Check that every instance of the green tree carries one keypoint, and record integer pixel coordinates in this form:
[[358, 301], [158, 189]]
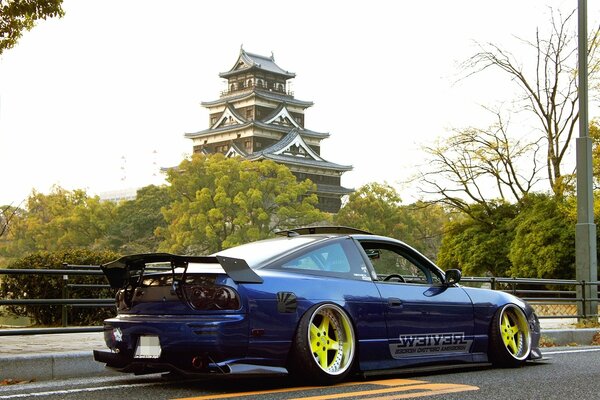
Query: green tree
[[374, 207], [544, 242], [377, 208], [50, 287], [7, 213], [61, 219], [423, 226], [17, 16], [220, 202], [479, 248], [135, 221]]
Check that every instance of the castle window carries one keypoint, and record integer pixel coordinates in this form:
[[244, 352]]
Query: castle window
[[249, 113], [248, 144]]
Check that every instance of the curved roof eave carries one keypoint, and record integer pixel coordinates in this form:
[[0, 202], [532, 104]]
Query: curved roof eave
[[227, 128], [303, 162], [261, 94], [283, 128]]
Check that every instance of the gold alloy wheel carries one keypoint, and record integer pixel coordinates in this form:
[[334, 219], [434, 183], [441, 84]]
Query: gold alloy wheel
[[331, 339], [514, 331]]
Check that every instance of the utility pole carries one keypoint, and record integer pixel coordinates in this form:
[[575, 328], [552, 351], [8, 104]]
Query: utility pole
[[585, 230]]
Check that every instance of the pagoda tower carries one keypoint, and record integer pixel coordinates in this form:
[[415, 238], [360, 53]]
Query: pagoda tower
[[257, 118]]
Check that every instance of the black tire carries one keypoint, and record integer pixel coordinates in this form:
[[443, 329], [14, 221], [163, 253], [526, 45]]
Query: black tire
[[510, 337], [324, 346]]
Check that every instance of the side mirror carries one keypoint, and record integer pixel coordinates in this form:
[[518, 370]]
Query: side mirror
[[452, 276]]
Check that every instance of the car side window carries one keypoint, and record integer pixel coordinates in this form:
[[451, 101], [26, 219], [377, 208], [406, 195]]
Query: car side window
[[340, 258], [389, 261], [326, 258]]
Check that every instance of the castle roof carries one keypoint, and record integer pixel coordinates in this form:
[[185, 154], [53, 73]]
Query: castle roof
[[259, 124], [248, 61], [293, 150], [261, 94]]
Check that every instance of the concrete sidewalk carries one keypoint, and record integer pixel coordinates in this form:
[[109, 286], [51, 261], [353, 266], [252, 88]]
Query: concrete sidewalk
[[54, 356]]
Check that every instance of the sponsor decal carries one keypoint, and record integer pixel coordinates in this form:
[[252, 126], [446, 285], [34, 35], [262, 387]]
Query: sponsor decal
[[430, 344]]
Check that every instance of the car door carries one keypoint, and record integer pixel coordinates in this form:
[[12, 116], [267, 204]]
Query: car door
[[426, 319]]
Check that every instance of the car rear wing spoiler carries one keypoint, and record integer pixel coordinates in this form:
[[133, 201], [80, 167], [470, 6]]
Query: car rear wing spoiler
[[312, 230], [118, 272]]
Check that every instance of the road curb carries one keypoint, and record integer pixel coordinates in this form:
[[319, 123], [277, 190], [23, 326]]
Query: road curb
[[563, 337], [51, 366]]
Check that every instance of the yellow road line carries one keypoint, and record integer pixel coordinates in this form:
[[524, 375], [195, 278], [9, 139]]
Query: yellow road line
[[387, 382], [426, 389], [451, 389]]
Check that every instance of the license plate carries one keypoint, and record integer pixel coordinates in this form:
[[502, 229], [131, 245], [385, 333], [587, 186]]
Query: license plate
[[148, 347]]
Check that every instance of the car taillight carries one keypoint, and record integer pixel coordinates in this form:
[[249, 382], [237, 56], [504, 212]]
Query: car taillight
[[212, 297]]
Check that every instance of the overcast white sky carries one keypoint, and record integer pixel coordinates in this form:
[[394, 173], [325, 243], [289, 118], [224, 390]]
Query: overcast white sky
[[108, 91]]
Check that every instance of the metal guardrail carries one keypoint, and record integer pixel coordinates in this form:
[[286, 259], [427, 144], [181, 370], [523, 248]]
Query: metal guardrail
[[570, 294], [65, 301]]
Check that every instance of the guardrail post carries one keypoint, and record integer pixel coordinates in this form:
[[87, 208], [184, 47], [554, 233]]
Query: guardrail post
[[65, 295], [583, 300], [493, 283]]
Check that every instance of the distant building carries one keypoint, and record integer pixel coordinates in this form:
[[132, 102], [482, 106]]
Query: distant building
[[118, 195], [257, 118]]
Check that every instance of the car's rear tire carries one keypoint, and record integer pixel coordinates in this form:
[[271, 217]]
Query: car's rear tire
[[324, 346], [510, 338]]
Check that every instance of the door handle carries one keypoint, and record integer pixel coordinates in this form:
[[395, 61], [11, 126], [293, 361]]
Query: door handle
[[394, 302]]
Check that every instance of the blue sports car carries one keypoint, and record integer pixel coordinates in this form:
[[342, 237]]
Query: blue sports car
[[318, 303]]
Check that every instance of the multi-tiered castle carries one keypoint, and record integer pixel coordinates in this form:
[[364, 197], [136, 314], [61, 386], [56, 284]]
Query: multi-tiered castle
[[257, 117]]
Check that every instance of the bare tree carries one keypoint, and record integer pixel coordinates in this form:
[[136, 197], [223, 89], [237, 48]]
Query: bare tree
[[549, 89], [475, 165]]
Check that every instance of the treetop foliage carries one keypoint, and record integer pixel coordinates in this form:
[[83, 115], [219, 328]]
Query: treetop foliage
[[377, 208], [219, 202], [17, 16]]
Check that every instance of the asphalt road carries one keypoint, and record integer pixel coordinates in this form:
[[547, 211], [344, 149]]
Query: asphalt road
[[571, 373]]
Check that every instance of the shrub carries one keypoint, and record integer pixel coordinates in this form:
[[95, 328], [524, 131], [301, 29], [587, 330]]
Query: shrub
[[51, 286]]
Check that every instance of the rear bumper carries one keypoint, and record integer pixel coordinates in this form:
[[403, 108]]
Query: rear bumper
[[124, 364], [187, 343]]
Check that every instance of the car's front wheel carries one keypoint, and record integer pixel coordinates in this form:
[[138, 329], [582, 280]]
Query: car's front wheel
[[510, 338], [324, 347]]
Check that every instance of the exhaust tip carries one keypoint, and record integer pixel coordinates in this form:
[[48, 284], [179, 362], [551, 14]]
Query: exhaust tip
[[198, 362]]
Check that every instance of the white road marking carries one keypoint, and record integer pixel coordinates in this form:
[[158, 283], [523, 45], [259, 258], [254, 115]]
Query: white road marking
[[569, 351], [81, 390]]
